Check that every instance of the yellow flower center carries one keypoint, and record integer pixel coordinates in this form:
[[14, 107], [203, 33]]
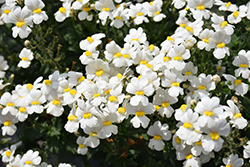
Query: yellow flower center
[[183, 25], [139, 113], [178, 58], [156, 13], [99, 73], [166, 58], [86, 9], [228, 166], [221, 45], [29, 86], [235, 13], [121, 110], [67, 89], [93, 134], [73, 92], [151, 3], [223, 24], [82, 78], [6, 11], [178, 140], [139, 14], [81, 145], [86, 115], [218, 68], [35, 102], [200, 7], [139, 93], [183, 107], [37, 11], [157, 137], [22, 109], [165, 104], [20, 23], [238, 115], [107, 92], [113, 99], [90, 40], [151, 47], [214, 135], [228, 4], [149, 65], [189, 29], [126, 56], [62, 10], [47, 82], [157, 107], [201, 87], [176, 84], [188, 125], [119, 75], [135, 39], [170, 39], [28, 162], [243, 65], [88, 54], [118, 17], [8, 153], [96, 95], [237, 82], [118, 54], [188, 73], [205, 40], [208, 113], [72, 118], [10, 104], [107, 123], [198, 143], [105, 9], [189, 156], [7, 123], [56, 102]]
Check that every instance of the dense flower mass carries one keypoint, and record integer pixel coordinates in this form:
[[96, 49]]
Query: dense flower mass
[[169, 91]]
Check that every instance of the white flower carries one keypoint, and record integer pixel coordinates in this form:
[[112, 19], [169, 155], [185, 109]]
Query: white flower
[[159, 132], [205, 36], [10, 101], [138, 13], [153, 10], [55, 107], [246, 151], [236, 16], [226, 6], [26, 56], [8, 155], [82, 145], [98, 69], [220, 24], [9, 122], [92, 41], [242, 61], [5, 10], [22, 19], [233, 161], [3, 66], [136, 37], [179, 3], [106, 7], [234, 83], [72, 124], [79, 4], [64, 165], [198, 8], [120, 15], [36, 99], [63, 12]]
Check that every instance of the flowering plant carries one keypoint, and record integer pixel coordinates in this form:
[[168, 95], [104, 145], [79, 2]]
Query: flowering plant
[[111, 82]]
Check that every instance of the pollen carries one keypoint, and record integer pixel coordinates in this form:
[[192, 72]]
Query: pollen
[[228, 4], [221, 45], [81, 145], [107, 123], [183, 25], [47, 82], [93, 134], [107, 92], [189, 156], [165, 104], [223, 24], [99, 73], [243, 65], [139, 93], [113, 99], [38, 10], [198, 143], [105, 9], [178, 58], [90, 40], [56, 102], [188, 125], [96, 95], [201, 87], [214, 136], [20, 23], [189, 29], [72, 118], [10, 104], [183, 107], [29, 86], [86, 9], [88, 54], [22, 109], [208, 113], [156, 13], [205, 40], [121, 110], [118, 17], [188, 73], [67, 89], [166, 59], [118, 54], [143, 62], [86, 115], [157, 137], [139, 113], [139, 14], [7, 123], [151, 47], [82, 78], [178, 140], [119, 75], [73, 92], [200, 7], [237, 82], [238, 115], [62, 10], [6, 11], [28, 162], [8, 153], [126, 56], [176, 84], [35, 102], [235, 13]]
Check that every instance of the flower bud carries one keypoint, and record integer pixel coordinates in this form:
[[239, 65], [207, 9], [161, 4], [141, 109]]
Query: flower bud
[[216, 78], [193, 102], [26, 43], [127, 97]]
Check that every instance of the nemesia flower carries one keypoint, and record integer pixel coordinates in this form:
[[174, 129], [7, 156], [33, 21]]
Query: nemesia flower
[[30, 159], [26, 55], [82, 145], [226, 6], [120, 15], [190, 159], [219, 23], [236, 16], [22, 19], [178, 4], [242, 61], [85, 14], [9, 122], [198, 8], [64, 165], [159, 132], [6, 9], [3, 66], [246, 151], [153, 10], [233, 161], [189, 71], [93, 132], [36, 99], [55, 107], [63, 12], [92, 41], [72, 124], [234, 83], [97, 69], [135, 37], [10, 102], [8, 155], [106, 7], [138, 13], [79, 4]]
